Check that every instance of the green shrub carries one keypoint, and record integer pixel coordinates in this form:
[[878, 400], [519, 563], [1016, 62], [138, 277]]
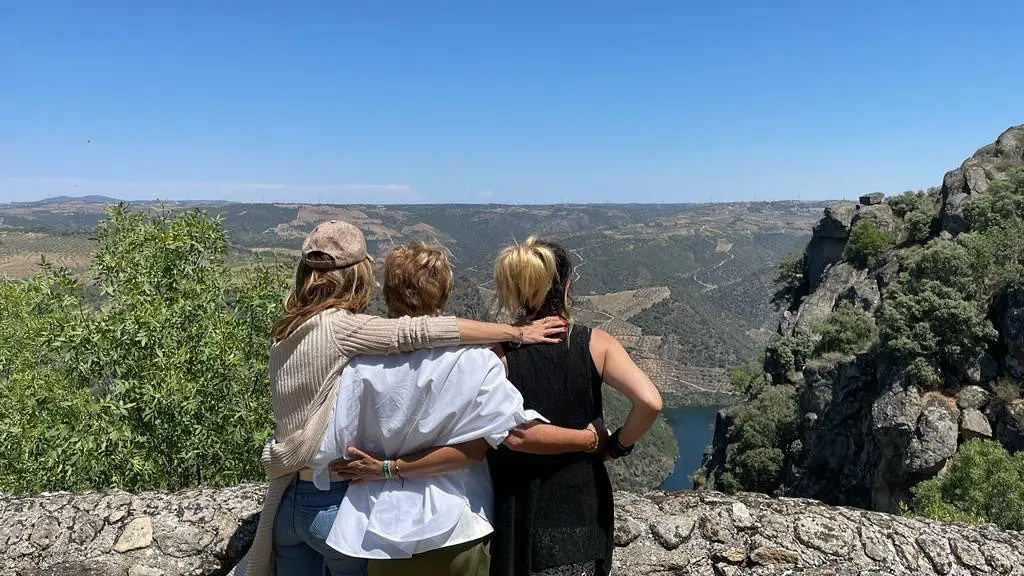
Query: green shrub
[[996, 220], [919, 211], [1001, 205], [727, 483], [1006, 391], [790, 280], [919, 226], [763, 429], [867, 242], [846, 330], [933, 319], [163, 387], [788, 355], [747, 379], [984, 483]]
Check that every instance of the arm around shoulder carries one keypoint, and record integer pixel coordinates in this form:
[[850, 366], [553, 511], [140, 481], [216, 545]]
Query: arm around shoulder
[[357, 334]]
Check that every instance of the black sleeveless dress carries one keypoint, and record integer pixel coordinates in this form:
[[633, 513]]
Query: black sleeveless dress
[[553, 511]]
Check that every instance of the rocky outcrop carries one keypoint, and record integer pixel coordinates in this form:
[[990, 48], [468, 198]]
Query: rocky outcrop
[[828, 241], [842, 281], [837, 456], [203, 532], [880, 215], [1010, 320], [865, 436], [976, 173]]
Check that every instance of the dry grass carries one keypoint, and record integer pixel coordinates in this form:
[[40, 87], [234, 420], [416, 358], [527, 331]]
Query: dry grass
[[22, 252], [625, 305]]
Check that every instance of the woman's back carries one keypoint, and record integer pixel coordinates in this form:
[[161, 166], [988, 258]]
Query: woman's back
[[552, 510]]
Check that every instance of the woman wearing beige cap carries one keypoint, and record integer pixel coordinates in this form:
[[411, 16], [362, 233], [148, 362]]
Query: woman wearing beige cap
[[322, 328]]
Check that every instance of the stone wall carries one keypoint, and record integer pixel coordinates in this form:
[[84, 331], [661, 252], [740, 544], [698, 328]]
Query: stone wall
[[203, 532]]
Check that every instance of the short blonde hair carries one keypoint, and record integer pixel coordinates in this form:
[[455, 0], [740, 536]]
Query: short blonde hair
[[418, 280], [317, 290], [523, 275]]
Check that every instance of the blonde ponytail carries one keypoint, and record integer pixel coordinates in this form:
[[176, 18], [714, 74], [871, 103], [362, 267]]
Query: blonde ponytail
[[523, 274]]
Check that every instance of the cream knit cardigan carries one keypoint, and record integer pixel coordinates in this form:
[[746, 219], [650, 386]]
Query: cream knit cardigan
[[304, 373]]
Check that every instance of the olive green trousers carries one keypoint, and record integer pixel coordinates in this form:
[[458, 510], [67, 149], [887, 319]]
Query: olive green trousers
[[469, 559]]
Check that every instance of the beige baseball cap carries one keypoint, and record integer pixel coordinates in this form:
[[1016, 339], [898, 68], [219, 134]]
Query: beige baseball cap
[[335, 244]]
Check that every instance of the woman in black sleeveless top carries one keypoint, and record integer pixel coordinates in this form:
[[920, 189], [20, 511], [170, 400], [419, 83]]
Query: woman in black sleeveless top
[[554, 514]]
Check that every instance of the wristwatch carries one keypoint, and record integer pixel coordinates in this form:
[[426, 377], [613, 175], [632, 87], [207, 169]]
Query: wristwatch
[[615, 448]]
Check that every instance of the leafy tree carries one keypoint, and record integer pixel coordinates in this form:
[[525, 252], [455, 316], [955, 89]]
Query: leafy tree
[[933, 319], [867, 242], [788, 355], [763, 429], [1001, 206], [984, 483], [163, 386], [747, 379], [919, 211], [846, 330], [790, 280], [996, 219]]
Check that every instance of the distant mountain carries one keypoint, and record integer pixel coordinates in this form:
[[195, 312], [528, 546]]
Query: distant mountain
[[685, 285], [92, 199]]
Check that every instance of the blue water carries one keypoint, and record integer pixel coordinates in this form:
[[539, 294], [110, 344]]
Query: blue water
[[693, 428]]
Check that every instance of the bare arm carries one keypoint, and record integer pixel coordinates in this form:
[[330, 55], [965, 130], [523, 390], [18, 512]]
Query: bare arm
[[619, 371], [429, 462], [538, 438]]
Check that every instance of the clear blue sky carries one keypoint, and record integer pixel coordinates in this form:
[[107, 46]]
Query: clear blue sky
[[500, 101]]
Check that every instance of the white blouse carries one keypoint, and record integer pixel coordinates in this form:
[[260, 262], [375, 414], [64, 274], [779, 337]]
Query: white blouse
[[393, 406]]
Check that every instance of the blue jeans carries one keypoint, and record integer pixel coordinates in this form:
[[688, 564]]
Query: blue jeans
[[301, 526]]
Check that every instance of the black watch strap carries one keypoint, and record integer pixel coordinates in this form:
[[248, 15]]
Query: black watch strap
[[615, 448]]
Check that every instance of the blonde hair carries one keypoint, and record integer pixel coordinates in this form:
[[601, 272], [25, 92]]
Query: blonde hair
[[349, 288], [524, 275], [418, 280]]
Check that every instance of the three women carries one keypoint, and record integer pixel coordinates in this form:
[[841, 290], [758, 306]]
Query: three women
[[552, 512]]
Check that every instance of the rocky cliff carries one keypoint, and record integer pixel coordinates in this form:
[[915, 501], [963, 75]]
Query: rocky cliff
[[203, 532], [866, 432]]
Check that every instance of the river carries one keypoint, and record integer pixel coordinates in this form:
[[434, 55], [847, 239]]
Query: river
[[693, 427]]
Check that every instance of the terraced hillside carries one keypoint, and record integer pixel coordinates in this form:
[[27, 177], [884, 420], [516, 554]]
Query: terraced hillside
[[685, 287]]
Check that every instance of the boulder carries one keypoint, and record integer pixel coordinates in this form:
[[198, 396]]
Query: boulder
[[863, 294], [837, 457], [988, 164], [872, 199], [828, 241], [836, 222], [1009, 312], [886, 273], [972, 397], [894, 416], [816, 306], [936, 436], [1009, 428], [879, 214], [973, 424]]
